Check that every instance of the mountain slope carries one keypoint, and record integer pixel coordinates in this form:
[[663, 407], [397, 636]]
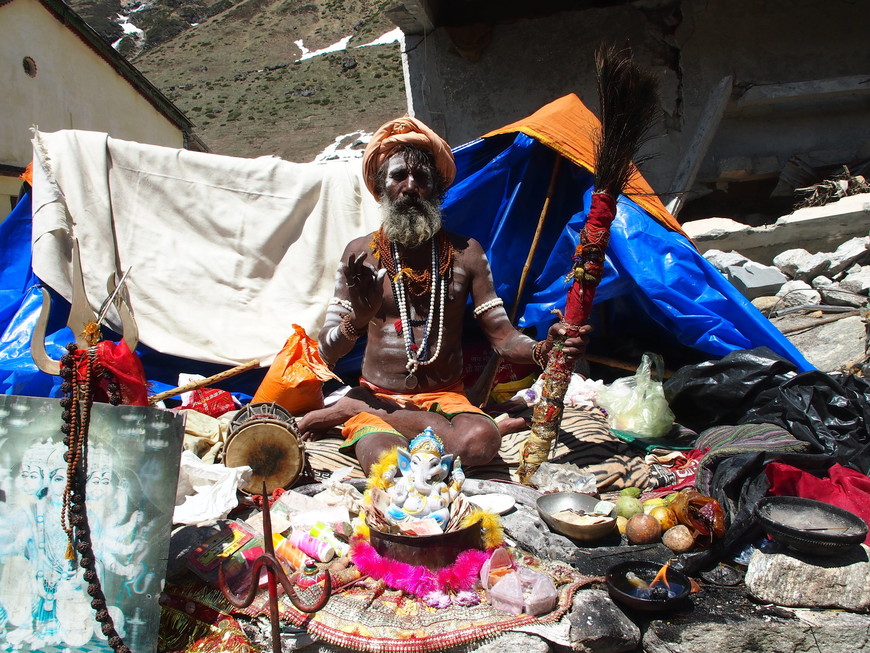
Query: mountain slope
[[238, 77]]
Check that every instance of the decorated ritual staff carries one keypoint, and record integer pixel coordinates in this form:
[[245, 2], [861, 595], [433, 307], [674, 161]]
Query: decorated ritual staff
[[406, 287]]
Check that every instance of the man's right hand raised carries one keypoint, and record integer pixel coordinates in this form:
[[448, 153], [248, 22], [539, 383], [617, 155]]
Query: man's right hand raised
[[365, 288]]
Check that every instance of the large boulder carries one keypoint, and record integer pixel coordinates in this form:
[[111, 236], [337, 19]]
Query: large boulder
[[805, 581]]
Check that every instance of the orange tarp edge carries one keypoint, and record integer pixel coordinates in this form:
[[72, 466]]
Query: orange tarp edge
[[567, 126]]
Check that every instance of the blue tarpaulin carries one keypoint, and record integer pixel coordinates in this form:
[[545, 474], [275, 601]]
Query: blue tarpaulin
[[657, 287]]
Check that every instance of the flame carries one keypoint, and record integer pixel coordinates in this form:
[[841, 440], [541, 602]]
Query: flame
[[662, 577]]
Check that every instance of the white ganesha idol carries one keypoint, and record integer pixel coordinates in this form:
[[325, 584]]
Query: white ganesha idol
[[423, 491]]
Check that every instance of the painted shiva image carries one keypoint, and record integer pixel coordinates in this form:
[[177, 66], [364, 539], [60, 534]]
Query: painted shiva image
[[44, 605]]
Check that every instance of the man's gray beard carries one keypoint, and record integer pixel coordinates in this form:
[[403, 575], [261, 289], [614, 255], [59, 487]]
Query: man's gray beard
[[411, 221]]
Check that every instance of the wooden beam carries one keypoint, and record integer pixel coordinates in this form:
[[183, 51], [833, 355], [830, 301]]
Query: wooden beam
[[816, 89], [708, 124]]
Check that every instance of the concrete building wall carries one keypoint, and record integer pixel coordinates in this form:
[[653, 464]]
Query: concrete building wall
[[774, 50], [74, 88]]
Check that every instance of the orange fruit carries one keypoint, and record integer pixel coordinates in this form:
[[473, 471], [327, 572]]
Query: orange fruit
[[664, 516]]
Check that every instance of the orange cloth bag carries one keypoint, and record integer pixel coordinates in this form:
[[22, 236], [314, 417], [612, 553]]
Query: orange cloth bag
[[296, 376]]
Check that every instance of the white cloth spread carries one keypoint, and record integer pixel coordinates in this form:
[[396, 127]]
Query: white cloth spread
[[225, 253]]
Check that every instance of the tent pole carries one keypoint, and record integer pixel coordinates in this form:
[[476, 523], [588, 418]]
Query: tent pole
[[534, 246], [479, 394]]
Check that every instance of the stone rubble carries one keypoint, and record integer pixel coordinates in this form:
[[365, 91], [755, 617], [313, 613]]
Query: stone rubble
[[846, 270], [818, 282]]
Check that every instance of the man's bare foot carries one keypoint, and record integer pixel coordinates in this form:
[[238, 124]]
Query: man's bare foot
[[508, 425], [316, 423]]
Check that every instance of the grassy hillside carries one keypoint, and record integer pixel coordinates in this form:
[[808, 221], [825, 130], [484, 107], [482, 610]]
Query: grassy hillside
[[237, 76]]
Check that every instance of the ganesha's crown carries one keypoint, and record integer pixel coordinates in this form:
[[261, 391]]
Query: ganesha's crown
[[428, 442]]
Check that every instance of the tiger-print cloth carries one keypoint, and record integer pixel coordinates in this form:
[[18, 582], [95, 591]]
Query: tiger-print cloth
[[584, 440]]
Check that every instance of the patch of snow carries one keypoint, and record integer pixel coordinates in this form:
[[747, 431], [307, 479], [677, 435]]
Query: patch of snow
[[128, 28], [393, 36], [345, 147], [338, 46]]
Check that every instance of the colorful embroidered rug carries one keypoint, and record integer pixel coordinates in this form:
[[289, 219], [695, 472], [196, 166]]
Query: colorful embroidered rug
[[720, 442], [369, 617]]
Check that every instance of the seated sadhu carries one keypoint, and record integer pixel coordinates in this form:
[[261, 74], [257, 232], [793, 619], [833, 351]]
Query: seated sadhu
[[406, 286]]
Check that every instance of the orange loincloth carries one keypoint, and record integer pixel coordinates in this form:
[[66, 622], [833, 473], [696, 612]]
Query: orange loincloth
[[448, 402]]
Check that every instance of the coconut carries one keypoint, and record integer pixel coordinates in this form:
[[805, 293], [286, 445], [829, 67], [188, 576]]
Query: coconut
[[678, 539], [643, 529]]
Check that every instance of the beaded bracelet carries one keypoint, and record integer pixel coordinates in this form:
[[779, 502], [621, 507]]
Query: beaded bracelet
[[335, 301], [485, 306], [538, 354], [347, 329]]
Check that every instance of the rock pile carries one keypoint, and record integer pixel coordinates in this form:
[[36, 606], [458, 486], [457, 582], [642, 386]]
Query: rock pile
[[798, 277], [818, 300]]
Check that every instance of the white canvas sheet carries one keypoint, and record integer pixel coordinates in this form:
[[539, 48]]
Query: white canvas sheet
[[225, 253]]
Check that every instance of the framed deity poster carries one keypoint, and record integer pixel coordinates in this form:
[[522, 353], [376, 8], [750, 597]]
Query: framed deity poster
[[132, 465]]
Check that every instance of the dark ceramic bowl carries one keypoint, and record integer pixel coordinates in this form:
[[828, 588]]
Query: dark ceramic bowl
[[623, 591], [810, 526], [430, 551]]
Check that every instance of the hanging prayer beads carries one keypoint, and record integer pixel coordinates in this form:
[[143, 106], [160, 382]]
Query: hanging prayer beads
[[417, 353]]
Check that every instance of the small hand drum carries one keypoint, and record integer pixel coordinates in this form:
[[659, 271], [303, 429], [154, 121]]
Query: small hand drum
[[264, 437]]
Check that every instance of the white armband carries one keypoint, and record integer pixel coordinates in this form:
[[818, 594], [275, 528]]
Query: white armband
[[485, 306]]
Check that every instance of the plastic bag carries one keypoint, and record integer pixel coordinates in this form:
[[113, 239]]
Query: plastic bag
[[295, 378], [564, 477], [637, 403]]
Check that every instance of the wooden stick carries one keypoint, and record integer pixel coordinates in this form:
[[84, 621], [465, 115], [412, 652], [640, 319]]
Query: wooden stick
[[819, 322], [479, 394], [534, 246], [193, 385]]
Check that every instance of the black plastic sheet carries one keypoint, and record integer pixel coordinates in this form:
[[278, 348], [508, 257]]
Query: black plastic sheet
[[830, 411], [721, 392]]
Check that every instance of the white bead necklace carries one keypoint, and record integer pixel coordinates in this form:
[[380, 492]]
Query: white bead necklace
[[416, 357]]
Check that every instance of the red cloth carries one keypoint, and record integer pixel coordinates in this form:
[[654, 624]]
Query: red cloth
[[123, 364], [211, 401], [844, 487], [598, 218]]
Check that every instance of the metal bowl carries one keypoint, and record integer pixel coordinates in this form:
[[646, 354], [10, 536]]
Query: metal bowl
[[431, 551], [550, 504], [810, 526], [623, 591]]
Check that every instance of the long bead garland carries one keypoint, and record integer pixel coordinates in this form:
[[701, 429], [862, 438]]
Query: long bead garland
[[78, 370], [417, 356]]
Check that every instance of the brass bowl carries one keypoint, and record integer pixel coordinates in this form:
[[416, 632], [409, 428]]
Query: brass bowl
[[550, 504]]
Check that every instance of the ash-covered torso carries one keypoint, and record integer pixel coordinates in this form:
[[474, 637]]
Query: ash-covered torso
[[437, 337]]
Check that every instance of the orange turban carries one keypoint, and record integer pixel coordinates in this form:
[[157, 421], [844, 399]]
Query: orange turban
[[405, 131]]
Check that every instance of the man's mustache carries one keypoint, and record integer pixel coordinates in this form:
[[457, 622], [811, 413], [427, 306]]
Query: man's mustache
[[410, 202]]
